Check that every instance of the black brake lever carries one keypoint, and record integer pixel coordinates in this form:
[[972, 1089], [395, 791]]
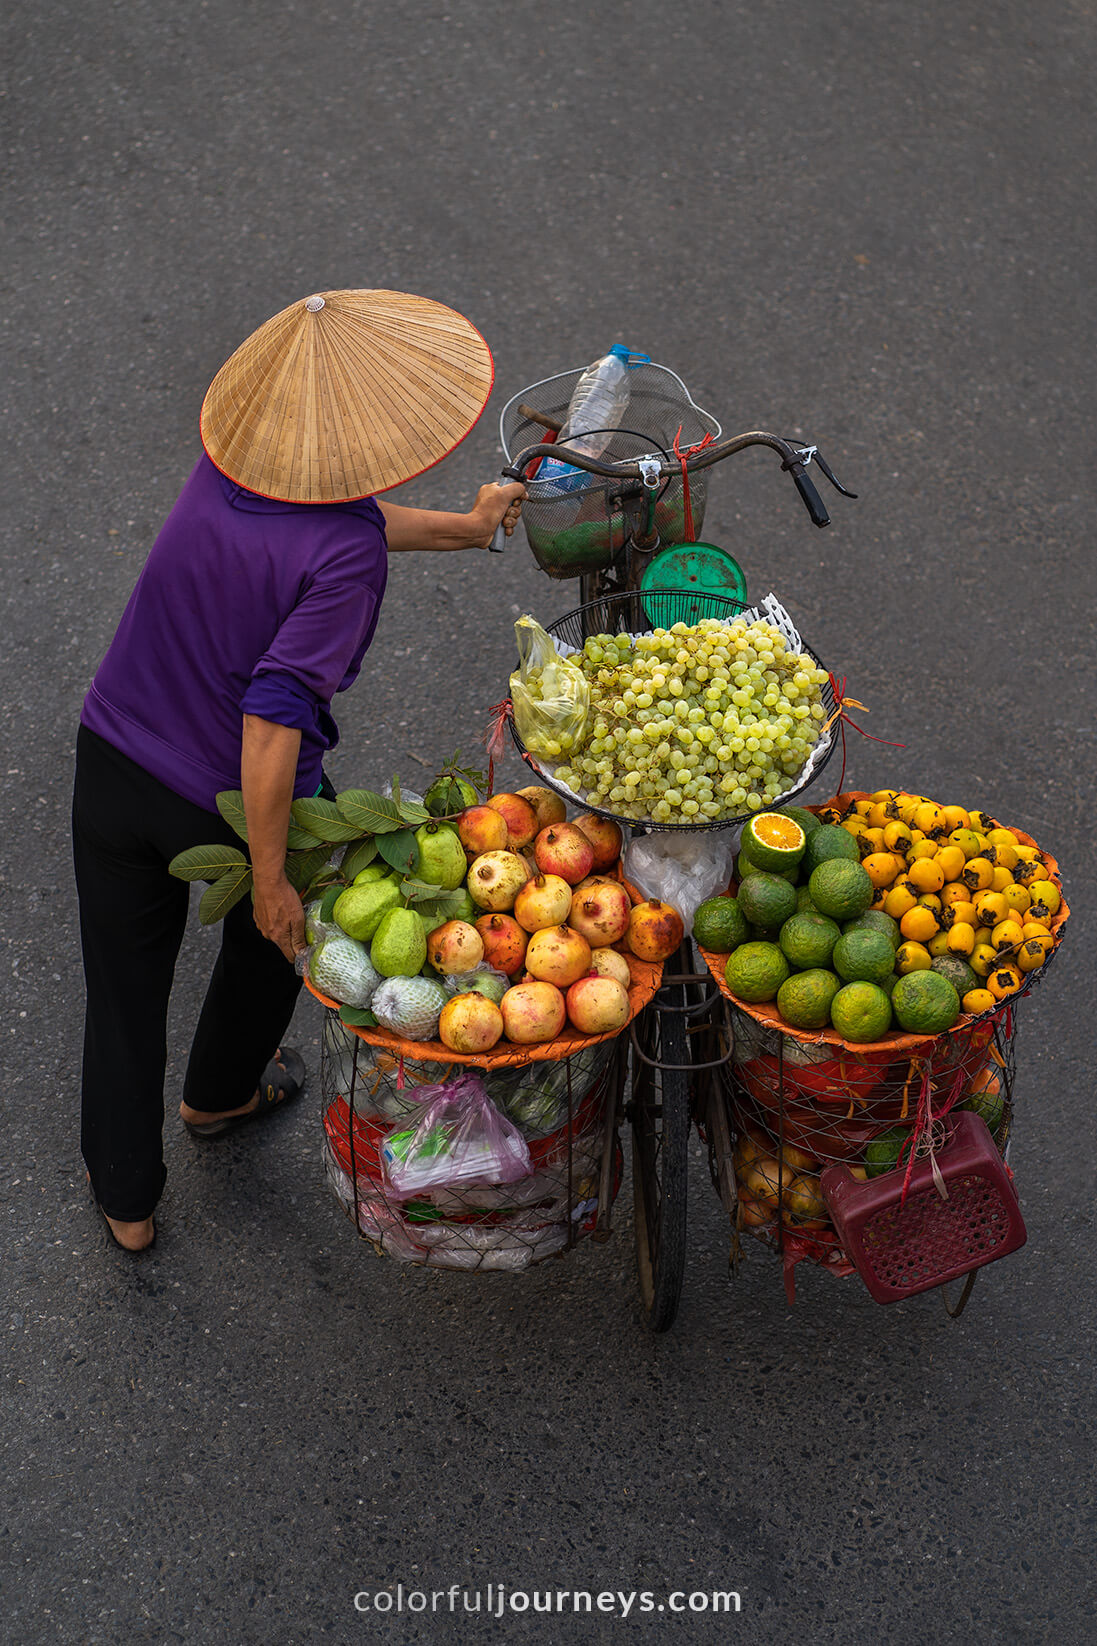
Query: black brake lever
[[812, 454]]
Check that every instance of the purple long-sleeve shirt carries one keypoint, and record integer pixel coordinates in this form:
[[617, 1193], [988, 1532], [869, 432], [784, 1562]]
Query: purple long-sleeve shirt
[[244, 606]]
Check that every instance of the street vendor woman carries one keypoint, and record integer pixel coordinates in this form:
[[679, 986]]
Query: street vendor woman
[[256, 605]]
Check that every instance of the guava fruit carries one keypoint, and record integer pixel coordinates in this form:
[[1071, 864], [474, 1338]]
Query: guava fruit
[[442, 859], [399, 948], [359, 909]]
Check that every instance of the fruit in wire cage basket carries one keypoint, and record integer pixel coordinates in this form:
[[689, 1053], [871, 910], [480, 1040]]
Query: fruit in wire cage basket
[[606, 962], [564, 850], [399, 946], [559, 955], [695, 722], [543, 901], [597, 1005], [470, 1023], [360, 909], [481, 829], [455, 946], [504, 942], [533, 1012], [519, 817], [605, 836], [496, 878], [547, 805], [655, 930], [442, 859], [341, 968], [409, 1006], [601, 913]]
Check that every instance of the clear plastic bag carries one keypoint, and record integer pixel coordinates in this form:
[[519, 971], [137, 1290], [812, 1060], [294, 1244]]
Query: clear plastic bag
[[550, 694], [482, 979], [459, 1137], [682, 868]]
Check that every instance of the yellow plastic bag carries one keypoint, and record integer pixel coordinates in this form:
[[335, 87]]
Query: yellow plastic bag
[[550, 694]]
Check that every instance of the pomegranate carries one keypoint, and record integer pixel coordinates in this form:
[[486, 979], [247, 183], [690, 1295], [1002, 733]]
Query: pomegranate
[[564, 850], [556, 954], [470, 1023], [610, 963], [519, 817], [597, 1005], [601, 913], [504, 942], [455, 946], [604, 835], [532, 1012], [548, 806], [655, 930], [544, 901], [481, 829], [495, 879]]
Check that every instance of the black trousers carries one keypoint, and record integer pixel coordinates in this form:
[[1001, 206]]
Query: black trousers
[[126, 829]]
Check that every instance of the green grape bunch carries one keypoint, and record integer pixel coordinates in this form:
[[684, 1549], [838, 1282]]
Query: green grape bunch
[[696, 722]]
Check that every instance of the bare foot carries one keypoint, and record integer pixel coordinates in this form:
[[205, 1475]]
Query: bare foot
[[134, 1237]]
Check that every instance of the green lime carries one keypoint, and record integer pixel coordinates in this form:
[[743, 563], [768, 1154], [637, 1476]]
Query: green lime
[[840, 887], [807, 939], [827, 841], [863, 957], [755, 971], [990, 1106], [861, 1012], [767, 899], [888, 983], [875, 920], [882, 1154], [958, 972], [803, 999], [925, 1003], [772, 841], [719, 924], [803, 900], [744, 867]]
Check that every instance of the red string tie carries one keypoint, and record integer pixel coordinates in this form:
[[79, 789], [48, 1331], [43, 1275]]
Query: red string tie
[[841, 704], [682, 456]]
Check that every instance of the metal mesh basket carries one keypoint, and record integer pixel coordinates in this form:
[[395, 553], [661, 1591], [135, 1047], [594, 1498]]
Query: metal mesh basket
[[639, 612], [566, 1111], [585, 531]]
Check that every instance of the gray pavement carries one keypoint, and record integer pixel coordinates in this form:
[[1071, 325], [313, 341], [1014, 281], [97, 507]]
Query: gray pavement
[[870, 223]]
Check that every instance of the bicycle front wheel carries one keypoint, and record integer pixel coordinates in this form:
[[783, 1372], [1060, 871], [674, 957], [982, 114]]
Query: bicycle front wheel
[[659, 1111]]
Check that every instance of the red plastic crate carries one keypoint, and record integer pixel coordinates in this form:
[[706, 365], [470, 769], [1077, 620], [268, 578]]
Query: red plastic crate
[[902, 1248]]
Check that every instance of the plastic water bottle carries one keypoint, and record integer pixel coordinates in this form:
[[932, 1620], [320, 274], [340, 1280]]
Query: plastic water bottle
[[598, 404]]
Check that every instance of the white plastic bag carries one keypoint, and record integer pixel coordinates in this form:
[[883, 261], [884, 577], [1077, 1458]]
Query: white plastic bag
[[682, 867]]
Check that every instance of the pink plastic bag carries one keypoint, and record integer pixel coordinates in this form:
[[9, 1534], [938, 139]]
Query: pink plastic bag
[[459, 1138]]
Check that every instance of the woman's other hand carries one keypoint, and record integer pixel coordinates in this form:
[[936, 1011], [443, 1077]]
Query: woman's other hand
[[280, 916]]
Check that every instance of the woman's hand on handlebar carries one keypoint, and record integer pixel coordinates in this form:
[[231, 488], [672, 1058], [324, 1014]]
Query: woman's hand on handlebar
[[496, 505]]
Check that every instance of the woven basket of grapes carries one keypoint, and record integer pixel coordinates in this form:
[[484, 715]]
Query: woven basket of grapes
[[702, 711]]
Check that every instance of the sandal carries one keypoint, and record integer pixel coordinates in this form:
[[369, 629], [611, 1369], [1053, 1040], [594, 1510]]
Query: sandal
[[282, 1080]]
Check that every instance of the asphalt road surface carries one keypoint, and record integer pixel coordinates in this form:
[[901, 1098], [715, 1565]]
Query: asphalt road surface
[[870, 224]]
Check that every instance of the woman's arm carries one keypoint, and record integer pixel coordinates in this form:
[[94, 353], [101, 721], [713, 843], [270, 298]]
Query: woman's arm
[[437, 530], [268, 767]]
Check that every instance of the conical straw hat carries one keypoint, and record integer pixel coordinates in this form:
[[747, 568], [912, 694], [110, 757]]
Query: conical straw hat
[[345, 394]]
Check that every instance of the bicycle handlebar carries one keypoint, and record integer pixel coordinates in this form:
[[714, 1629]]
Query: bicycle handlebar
[[794, 458]]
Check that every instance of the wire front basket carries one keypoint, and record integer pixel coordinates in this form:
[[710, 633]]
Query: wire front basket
[[640, 612], [586, 530]]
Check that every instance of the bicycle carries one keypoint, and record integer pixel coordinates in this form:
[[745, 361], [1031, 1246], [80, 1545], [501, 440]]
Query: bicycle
[[611, 537]]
